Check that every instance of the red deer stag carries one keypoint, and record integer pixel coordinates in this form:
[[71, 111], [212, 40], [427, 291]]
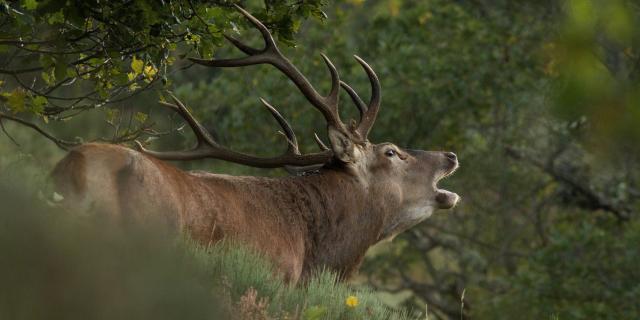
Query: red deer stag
[[363, 192]]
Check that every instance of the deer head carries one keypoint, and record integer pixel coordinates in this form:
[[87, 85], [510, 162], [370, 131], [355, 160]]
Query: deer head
[[403, 182]]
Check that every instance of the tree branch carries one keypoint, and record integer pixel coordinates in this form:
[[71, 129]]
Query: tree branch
[[62, 144], [595, 200]]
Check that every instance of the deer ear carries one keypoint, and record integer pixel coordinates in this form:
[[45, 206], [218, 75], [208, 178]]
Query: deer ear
[[342, 146]]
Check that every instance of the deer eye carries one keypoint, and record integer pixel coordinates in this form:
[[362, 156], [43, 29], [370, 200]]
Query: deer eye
[[390, 153]]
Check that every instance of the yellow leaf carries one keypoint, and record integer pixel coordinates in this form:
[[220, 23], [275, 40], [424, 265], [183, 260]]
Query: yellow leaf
[[192, 39], [137, 65], [150, 71]]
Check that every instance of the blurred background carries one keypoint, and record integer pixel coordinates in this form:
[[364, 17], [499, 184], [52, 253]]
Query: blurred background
[[539, 99]]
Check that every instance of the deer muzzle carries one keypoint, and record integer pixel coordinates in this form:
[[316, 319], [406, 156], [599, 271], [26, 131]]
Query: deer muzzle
[[446, 199]]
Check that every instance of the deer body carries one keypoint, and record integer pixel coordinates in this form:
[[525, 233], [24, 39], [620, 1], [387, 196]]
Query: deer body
[[363, 192], [327, 219]]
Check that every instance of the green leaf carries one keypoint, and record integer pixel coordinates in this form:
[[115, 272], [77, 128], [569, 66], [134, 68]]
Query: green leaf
[[213, 13], [38, 103], [47, 61], [71, 73], [61, 70], [120, 79], [112, 115], [141, 117], [48, 78], [16, 100], [57, 17], [206, 50], [30, 4], [95, 62], [102, 91]]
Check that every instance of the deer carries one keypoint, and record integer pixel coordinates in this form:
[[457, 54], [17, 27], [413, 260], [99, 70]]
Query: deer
[[353, 194]]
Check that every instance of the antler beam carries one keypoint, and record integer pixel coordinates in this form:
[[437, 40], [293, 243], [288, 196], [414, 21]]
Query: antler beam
[[327, 105], [207, 147]]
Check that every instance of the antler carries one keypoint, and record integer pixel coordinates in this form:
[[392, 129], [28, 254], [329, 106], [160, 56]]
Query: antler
[[207, 147], [368, 113], [327, 105]]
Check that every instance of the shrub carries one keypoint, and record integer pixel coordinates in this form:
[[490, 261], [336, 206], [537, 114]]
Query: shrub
[[589, 270]]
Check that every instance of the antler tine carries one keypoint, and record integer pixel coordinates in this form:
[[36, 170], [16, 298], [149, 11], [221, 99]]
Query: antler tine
[[362, 107], [327, 105], [268, 39], [207, 147], [254, 56], [374, 103], [202, 135], [333, 96], [243, 47], [320, 143], [292, 141]]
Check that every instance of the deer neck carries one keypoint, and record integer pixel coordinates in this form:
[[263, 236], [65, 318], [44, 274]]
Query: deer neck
[[342, 223]]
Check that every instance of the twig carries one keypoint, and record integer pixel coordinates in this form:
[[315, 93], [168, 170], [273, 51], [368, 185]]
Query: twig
[[7, 133], [62, 144]]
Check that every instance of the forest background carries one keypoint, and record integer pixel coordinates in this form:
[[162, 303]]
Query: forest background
[[539, 99]]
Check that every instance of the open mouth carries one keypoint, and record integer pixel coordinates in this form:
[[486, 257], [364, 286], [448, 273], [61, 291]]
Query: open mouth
[[444, 198]]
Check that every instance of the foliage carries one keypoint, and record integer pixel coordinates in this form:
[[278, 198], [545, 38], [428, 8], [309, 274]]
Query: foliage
[[595, 59], [58, 57], [588, 270]]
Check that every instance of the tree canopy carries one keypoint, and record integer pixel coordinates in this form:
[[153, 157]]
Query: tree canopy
[[63, 57]]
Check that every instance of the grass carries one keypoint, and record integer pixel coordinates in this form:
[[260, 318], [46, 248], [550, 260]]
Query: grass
[[322, 297]]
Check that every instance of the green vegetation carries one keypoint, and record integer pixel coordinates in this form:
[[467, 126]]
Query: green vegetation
[[539, 99], [81, 55], [589, 270]]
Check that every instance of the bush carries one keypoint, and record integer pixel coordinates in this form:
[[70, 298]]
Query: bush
[[589, 270]]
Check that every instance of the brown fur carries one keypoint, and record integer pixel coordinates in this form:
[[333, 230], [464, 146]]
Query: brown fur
[[73, 162], [327, 219]]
